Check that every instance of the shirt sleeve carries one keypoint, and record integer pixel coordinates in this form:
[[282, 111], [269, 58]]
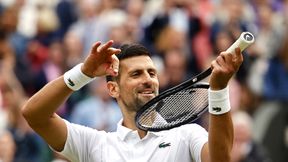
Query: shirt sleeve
[[197, 136], [78, 142]]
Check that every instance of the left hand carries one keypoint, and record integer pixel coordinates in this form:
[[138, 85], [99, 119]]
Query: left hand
[[224, 67], [102, 60]]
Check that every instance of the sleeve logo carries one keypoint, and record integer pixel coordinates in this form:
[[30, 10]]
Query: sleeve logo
[[70, 82], [217, 109]]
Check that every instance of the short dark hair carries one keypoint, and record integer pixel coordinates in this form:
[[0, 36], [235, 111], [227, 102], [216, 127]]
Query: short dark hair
[[128, 51]]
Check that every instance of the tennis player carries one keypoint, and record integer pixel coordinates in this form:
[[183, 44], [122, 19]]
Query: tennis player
[[133, 83]]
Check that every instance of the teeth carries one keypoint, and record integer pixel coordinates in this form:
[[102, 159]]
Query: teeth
[[146, 92]]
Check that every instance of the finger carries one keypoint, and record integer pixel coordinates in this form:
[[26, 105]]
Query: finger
[[114, 67], [238, 55], [105, 46], [215, 65], [221, 63], [227, 57], [237, 51], [220, 60], [115, 64], [95, 47], [112, 51]]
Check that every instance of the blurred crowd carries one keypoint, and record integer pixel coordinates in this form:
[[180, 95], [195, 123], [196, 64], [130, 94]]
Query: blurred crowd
[[40, 40]]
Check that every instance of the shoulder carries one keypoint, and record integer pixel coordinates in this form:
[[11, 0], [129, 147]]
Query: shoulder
[[81, 141], [80, 131]]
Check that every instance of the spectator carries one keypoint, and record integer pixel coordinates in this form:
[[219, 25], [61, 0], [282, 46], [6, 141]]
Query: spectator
[[7, 147], [99, 110], [276, 78], [244, 148], [29, 146]]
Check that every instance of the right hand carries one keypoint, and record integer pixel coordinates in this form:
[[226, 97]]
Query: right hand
[[101, 60], [224, 67]]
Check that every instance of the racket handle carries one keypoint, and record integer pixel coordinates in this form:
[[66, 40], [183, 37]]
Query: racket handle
[[244, 40]]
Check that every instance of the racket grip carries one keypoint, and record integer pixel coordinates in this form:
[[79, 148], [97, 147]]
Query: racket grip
[[244, 40]]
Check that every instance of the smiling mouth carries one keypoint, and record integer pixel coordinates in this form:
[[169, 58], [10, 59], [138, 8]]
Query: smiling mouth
[[147, 93]]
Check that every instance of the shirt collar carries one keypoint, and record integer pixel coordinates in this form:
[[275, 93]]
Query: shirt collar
[[123, 131]]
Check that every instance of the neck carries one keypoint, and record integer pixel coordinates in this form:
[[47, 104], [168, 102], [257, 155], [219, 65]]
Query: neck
[[129, 122]]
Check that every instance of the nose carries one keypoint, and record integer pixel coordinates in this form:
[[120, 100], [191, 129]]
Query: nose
[[147, 79]]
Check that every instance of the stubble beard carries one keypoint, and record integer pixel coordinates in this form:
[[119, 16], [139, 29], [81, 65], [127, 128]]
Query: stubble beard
[[138, 103]]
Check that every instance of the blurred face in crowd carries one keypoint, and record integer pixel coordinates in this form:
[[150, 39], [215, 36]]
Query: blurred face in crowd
[[137, 82], [175, 66], [242, 136]]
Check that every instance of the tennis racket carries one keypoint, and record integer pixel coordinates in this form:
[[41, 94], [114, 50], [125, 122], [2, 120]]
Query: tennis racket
[[183, 103]]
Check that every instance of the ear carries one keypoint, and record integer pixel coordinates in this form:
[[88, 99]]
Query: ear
[[113, 89]]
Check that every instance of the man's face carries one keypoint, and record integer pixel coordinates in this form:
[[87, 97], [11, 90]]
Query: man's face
[[138, 82]]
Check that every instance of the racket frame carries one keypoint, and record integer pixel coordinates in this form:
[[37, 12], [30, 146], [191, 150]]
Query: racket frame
[[188, 84]]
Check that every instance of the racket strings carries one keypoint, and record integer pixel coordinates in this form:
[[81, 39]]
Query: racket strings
[[177, 108]]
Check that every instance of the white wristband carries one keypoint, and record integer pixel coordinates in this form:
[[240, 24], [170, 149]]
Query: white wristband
[[219, 102], [75, 79]]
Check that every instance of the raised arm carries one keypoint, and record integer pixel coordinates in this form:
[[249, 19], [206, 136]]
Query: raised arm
[[220, 140], [40, 109]]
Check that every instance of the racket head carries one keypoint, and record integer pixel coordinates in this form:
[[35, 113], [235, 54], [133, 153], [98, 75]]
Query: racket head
[[173, 108]]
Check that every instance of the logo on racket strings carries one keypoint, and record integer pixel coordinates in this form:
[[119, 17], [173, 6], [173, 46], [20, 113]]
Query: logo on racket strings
[[163, 145], [217, 109]]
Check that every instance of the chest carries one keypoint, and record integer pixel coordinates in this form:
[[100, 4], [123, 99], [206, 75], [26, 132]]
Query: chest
[[164, 149]]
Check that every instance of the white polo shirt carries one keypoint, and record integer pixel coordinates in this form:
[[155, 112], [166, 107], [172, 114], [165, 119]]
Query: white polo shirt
[[182, 144]]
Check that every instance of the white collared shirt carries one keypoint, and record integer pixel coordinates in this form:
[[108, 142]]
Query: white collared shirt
[[182, 144]]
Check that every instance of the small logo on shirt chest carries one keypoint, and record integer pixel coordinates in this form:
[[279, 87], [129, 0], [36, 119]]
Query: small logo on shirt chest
[[163, 145]]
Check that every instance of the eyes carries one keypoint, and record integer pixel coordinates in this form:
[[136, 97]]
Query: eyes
[[138, 73]]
